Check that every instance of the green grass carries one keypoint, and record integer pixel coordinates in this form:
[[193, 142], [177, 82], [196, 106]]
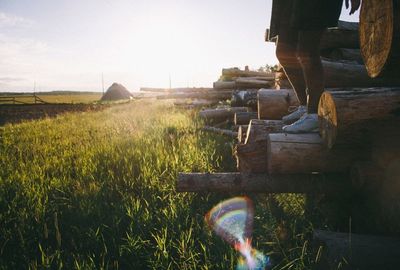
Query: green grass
[[96, 191]]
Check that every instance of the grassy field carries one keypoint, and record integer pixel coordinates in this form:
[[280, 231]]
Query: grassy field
[[96, 191], [50, 97]]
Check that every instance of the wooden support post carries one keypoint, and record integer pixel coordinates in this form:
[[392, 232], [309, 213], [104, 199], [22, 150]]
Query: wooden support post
[[260, 183]]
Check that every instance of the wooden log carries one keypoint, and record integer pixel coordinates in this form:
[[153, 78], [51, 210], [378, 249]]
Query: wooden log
[[270, 34], [350, 117], [274, 104], [259, 129], [356, 251], [344, 25], [220, 114], [209, 95], [243, 118], [224, 85], [345, 74], [305, 153], [250, 83], [242, 131], [245, 98], [191, 104], [366, 176], [346, 54], [260, 183], [251, 156], [176, 90], [380, 36], [340, 38], [236, 72], [225, 132]]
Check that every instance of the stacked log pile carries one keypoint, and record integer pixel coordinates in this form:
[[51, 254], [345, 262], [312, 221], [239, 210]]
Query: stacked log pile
[[342, 60], [357, 147], [237, 79]]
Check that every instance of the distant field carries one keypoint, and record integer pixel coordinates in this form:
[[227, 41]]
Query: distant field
[[69, 97]]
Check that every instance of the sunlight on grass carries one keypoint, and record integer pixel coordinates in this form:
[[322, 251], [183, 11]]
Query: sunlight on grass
[[96, 191]]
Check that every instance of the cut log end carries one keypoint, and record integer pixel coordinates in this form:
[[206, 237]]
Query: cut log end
[[376, 34], [327, 119]]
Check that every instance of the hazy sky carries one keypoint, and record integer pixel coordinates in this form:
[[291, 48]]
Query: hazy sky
[[67, 44]]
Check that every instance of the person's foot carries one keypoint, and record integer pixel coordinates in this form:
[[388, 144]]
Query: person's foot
[[295, 115], [306, 124]]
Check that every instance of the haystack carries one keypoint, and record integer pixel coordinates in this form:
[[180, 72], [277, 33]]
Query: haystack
[[116, 92]]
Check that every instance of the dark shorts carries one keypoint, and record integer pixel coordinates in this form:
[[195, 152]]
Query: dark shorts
[[304, 14]]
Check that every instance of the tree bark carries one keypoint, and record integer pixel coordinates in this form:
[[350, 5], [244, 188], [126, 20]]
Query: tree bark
[[359, 251], [260, 183], [305, 153], [380, 37], [274, 104], [351, 117], [243, 118]]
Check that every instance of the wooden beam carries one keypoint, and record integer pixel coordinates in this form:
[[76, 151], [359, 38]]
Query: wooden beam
[[261, 183]]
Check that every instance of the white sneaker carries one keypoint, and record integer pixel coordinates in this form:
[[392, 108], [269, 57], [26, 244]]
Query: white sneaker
[[295, 115], [306, 124]]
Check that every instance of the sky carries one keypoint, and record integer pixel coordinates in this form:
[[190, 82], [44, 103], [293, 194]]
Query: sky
[[68, 44]]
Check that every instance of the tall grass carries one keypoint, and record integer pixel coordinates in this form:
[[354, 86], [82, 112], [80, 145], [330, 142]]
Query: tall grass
[[96, 191]]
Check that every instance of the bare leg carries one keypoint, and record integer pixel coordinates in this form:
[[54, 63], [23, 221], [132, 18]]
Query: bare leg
[[309, 57], [286, 53]]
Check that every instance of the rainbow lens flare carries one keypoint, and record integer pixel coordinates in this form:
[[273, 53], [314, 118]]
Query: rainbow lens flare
[[233, 221]]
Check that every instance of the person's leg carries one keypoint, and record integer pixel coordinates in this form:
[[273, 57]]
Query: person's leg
[[309, 57], [286, 52]]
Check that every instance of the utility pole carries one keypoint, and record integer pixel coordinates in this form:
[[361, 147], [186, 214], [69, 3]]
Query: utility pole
[[170, 82], [102, 81]]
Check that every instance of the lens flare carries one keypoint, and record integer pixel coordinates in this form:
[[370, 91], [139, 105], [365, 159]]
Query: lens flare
[[233, 221]]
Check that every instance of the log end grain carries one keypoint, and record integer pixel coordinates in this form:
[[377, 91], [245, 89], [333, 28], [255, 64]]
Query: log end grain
[[328, 122], [376, 34]]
